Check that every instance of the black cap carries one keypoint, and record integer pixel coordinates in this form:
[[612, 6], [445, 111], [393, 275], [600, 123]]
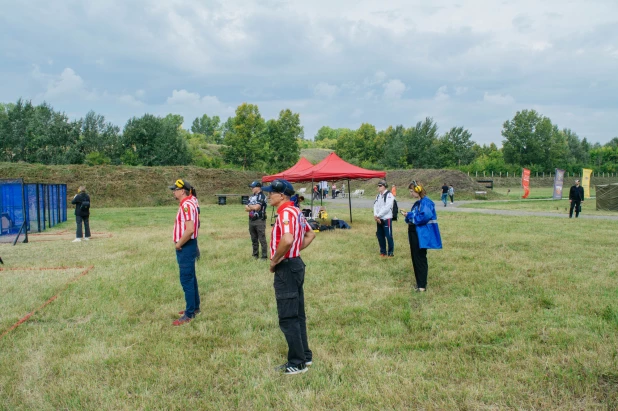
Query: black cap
[[180, 184], [255, 184]]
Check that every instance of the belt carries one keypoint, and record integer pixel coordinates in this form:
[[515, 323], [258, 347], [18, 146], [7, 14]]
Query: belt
[[285, 260]]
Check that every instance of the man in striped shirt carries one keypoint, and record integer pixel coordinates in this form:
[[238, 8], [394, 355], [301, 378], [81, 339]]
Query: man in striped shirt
[[290, 234], [186, 229]]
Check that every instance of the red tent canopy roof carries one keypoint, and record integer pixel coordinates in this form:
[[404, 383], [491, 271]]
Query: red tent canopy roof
[[332, 168], [302, 164]]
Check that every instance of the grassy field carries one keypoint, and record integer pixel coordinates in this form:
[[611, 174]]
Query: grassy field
[[535, 192], [519, 313], [547, 206]]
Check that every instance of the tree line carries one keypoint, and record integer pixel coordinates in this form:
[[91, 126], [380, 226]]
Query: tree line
[[39, 134]]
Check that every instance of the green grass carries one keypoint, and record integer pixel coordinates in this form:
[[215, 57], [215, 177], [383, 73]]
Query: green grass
[[535, 192], [519, 313], [547, 206]]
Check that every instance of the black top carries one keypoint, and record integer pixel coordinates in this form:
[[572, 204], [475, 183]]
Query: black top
[[81, 199], [576, 193], [445, 189]]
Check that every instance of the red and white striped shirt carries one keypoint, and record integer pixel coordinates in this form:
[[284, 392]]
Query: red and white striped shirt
[[186, 212], [289, 220]]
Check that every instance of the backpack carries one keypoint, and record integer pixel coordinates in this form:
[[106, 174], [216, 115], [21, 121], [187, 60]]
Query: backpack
[[84, 206], [395, 206]]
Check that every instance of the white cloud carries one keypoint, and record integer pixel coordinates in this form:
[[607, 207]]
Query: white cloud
[[183, 97], [378, 78], [442, 94], [323, 89], [500, 99], [67, 84], [393, 89], [460, 90]]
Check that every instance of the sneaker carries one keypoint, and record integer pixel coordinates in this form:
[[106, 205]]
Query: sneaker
[[182, 320], [264, 257], [293, 369], [77, 240], [382, 255], [308, 363], [183, 312], [390, 255], [87, 238]]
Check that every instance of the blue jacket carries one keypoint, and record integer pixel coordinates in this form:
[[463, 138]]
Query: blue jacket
[[423, 216]]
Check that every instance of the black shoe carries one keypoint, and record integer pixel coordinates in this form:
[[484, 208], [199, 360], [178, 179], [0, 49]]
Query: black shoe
[[264, 257], [289, 369]]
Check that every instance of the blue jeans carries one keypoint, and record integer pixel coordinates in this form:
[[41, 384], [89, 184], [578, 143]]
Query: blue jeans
[[385, 234], [444, 198], [188, 280]]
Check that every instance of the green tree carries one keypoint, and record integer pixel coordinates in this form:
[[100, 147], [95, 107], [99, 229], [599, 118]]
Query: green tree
[[245, 140], [421, 142], [283, 135], [155, 141], [210, 127], [455, 148], [528, 138]]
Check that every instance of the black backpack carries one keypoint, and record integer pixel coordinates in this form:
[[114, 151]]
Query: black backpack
[[395, 206], [84, 206]]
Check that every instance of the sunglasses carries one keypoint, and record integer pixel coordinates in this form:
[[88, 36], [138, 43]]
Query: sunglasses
[[380, 185]]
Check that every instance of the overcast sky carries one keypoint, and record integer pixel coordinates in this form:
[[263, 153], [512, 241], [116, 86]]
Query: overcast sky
[[339, 63]]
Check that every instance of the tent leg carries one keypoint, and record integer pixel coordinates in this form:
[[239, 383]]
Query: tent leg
[[349, 200], [312, 216]]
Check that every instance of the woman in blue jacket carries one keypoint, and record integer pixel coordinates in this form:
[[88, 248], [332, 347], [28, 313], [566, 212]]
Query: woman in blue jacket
[[423, 232]]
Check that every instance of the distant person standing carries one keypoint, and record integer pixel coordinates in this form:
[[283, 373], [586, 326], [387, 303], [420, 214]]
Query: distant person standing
[[334, 190], [444, 194], [451, 193], [82, 213], [576, 197], [394, 190], [186, 228], [256, 207], [383, 215]]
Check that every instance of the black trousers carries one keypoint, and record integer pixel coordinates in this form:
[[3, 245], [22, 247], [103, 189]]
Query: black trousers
[[576, 205], [257, 229], [86, 220], [419, 258], [288, 282]]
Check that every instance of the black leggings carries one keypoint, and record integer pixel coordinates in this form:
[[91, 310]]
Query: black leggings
[[419, 258]]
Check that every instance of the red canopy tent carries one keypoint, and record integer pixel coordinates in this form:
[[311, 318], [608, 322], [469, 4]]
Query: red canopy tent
[[333, 168], [301, 165]]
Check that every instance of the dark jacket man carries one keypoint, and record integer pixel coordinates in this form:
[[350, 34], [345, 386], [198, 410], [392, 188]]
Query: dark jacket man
[[576, 197], [82, 213]]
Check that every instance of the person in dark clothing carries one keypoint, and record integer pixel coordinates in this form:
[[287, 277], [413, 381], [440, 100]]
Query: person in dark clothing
[[423, 232], [82, 213], [256, 208], [576, 197], [444, 194]]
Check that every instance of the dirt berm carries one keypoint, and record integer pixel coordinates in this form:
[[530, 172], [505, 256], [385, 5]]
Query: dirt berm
[[120, 186]]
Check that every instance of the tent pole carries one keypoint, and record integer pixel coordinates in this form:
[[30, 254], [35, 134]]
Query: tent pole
[[349, 200], [312, 216]]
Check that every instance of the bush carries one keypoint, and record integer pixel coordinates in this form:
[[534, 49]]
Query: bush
[[97, 159]]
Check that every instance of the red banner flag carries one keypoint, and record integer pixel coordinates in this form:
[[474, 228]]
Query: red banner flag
[[525, 182]]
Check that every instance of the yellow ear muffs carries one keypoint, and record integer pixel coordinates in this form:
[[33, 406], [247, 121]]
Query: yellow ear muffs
[[417, 187]]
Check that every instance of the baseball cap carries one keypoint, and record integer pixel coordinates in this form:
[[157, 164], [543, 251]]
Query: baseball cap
[[280, 186], [180, 184], [255, 184], [382, 183]]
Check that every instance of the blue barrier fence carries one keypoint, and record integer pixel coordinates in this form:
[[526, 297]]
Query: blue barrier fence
[[30, 207]]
